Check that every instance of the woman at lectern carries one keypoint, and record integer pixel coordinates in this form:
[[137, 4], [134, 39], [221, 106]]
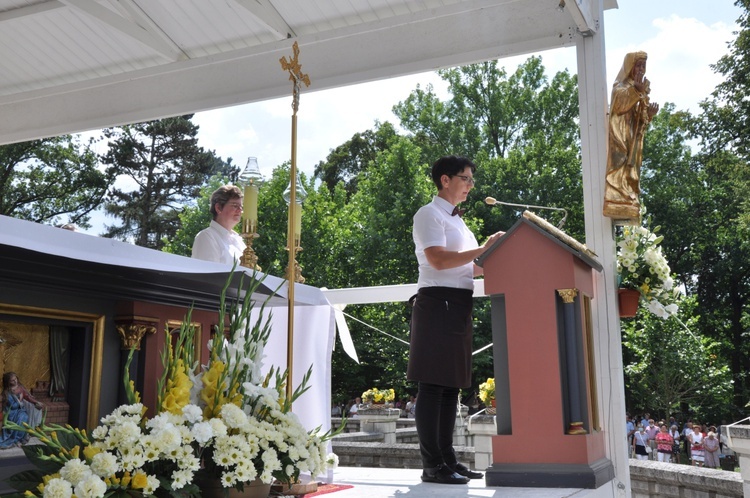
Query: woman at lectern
[[441, 323], [219, 242]]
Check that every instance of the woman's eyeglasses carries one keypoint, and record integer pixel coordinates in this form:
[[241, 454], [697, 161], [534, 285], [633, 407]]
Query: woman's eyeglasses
[[466, 179]]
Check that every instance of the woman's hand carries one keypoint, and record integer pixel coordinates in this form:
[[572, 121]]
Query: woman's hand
[[492, 238]]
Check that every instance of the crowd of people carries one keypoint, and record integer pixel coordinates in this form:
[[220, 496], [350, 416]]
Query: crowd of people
[[700, 444]]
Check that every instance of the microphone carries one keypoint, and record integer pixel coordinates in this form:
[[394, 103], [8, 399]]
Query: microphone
[[493, 202]]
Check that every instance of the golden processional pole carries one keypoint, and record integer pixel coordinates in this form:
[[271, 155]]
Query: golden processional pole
[[295, 212]]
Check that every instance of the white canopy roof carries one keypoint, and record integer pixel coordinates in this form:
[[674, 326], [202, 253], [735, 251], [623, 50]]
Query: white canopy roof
[[74, 65]]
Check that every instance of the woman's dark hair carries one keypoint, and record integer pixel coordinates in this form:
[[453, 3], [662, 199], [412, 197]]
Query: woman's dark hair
[[451, 166], [222, 195]]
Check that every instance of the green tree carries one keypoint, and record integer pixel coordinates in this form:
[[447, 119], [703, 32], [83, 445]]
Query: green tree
[[273, 219], [725, 123], [159, 167], [672, 187], [669, 366], [722, 245], [693, 198], [53, 180], [723, 263], [522, 131], [349, 160], [492, 111]]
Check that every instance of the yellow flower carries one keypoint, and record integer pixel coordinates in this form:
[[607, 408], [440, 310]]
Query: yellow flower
[[135, 393], [487, 390], [170, 404], [378, 396], [90, 451], [178, 389], [49, 477], [208, 396], [212, 394], [140, 480]]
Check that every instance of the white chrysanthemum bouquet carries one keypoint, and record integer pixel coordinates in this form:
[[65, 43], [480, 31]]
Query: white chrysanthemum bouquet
[[224, 422], [641, 266]]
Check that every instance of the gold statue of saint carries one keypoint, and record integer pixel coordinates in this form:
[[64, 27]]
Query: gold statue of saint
[[630, 112]]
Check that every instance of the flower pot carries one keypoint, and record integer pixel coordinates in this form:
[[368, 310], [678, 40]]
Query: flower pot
[[492, 410], [628, 302], [298, 488], [212, 488]]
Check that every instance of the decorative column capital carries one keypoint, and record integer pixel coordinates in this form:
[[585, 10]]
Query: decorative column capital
[[132, 329], [568, 295]]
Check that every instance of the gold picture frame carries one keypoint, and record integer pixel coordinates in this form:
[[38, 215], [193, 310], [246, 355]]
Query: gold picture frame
[[96, 322]]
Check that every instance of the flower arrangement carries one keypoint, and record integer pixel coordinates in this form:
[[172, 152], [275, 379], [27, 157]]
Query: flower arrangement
[[641, 266], [375, 395], [487, 391], [226, 422]]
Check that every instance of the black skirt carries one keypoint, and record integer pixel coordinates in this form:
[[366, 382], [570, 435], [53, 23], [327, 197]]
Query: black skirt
[[441, 337]]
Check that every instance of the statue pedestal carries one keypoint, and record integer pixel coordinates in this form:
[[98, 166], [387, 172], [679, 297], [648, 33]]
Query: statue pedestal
[[374, 418]]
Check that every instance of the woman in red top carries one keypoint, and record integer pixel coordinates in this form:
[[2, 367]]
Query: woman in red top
[[664, 443]]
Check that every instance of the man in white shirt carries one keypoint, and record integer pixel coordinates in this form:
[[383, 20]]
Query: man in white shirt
[[219, 242]]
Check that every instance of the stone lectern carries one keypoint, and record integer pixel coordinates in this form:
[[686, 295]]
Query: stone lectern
[[540, 281]]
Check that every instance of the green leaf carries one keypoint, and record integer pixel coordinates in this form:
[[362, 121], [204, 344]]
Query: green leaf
[[38, 455], [26, 480]]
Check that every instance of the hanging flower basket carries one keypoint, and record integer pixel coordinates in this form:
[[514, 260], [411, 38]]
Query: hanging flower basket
[[641, 266], [628, 302]]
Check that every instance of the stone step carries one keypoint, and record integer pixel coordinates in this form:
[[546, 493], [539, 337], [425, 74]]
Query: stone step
[[399, 455]]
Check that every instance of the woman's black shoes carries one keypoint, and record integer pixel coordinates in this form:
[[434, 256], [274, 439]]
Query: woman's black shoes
[[463, 470], [443, 475]]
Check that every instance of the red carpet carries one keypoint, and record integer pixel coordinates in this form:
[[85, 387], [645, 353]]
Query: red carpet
[[324, 489]]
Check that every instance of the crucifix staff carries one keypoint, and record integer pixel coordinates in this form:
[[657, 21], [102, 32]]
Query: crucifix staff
[[296, 76]]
